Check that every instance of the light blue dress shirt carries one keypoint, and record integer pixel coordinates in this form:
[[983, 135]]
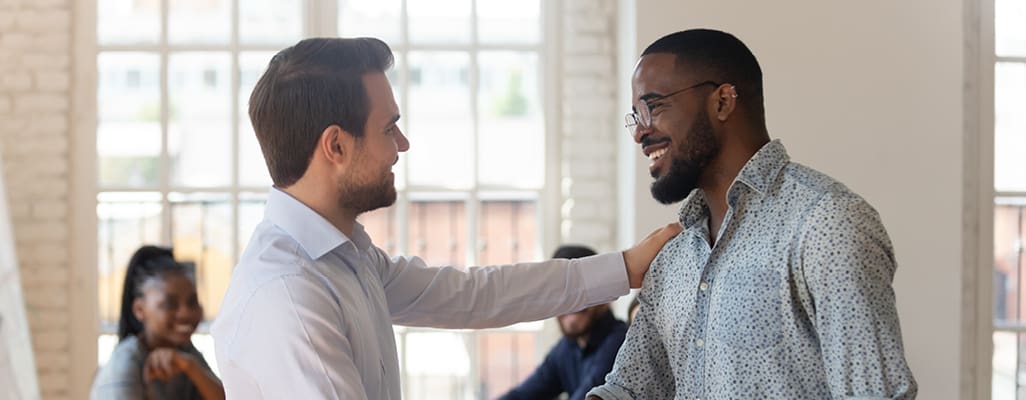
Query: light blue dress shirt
[[309, 312], [794, 300]]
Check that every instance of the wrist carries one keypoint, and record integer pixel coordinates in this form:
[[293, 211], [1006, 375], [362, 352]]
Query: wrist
[[186, 362]]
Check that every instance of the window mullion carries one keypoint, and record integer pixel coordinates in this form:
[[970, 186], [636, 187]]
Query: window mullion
[[234, 124], [165, 107], [473, 205]]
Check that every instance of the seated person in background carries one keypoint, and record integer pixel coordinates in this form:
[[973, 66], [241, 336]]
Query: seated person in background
[[155, 358], [585, 354]]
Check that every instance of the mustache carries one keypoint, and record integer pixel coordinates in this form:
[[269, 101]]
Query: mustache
[[648, 141]]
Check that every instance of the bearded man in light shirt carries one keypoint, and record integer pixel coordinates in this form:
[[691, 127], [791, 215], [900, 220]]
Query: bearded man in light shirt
[[309, 310]]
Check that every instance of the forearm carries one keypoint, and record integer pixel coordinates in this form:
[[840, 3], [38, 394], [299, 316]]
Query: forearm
[[208, 386]]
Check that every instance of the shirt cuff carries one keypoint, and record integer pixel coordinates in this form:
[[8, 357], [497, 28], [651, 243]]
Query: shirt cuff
[[609, 392], [604, 276]]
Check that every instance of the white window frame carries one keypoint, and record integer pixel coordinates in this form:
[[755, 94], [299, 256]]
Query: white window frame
[[980, 197], [319, 20]]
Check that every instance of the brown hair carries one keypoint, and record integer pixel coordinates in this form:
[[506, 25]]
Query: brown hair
[[307, 87]]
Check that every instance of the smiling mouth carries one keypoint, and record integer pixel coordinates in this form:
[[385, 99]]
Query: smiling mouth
[[184, 328], [655, 155]]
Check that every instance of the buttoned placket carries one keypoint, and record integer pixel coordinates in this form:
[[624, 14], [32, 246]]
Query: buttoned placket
[[703, 295]]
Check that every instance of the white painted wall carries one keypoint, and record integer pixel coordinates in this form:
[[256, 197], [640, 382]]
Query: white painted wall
[[869, 92]]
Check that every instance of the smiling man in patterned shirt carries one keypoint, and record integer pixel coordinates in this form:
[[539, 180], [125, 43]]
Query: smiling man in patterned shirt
[[780, 285]]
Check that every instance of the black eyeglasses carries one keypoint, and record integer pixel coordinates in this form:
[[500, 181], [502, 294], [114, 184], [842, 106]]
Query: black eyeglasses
[[643, 116]]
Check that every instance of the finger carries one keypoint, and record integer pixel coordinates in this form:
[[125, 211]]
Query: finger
[[166, 367], [664, 234]]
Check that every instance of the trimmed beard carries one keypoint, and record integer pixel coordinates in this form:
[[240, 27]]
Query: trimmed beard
[[690, 159], [363, 195]]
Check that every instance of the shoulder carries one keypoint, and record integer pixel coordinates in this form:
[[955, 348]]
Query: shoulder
[[822, 196], [124, 368]]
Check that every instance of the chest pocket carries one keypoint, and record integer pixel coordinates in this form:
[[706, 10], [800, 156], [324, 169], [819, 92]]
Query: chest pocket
[[747, 310]]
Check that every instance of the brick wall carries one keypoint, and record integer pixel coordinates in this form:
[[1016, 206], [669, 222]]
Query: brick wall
[[588, 86], [35, 71]]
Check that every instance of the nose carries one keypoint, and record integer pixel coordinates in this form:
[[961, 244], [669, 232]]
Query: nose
[[402, 142], [640, 132]]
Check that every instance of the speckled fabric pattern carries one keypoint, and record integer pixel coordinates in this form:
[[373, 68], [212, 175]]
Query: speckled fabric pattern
[[794, 300]]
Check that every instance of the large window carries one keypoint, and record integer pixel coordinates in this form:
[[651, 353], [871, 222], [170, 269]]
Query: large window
[[1009, 362], [179, 164]]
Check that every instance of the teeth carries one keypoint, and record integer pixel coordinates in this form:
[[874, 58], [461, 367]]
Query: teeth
[[183, 328], [656, 154]]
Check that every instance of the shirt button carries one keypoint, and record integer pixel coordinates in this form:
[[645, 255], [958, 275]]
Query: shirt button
[[703, 286], [699, 342]]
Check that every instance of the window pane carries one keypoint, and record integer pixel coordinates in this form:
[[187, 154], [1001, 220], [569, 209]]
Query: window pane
[[127, 22], [251, 212], [439, 21], [125, 221], [201, 232], [380, 225], [205, 344], [370, 18], [511, 139], [501, 21], [1009, 236], [270, 21], [504, 360], [440, 126], [1010, 32], [199, 145], [507, 231], [438, 231], [1010, 127], [438, 365], [199, 21], [104, 347], [252, 169], [128, 131]]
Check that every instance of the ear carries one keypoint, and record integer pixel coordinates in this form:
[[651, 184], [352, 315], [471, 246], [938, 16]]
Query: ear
[[336, 145], [726, 101], [138, 309]]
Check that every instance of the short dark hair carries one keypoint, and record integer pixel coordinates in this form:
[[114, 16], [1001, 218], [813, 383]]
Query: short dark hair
[[148, 262], [573, 251], [717, 56], [307, 87]]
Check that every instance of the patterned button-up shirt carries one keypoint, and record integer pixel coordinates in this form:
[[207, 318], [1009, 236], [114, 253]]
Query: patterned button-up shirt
[[793, 301]]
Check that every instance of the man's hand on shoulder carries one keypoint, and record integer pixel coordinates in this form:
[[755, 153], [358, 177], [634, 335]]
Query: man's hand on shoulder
[[641, 255]]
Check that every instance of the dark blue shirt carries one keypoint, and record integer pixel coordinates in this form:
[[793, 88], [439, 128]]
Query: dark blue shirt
[[572, 369]]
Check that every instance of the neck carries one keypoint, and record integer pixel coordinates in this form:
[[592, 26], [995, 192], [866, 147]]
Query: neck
[[734, 154], [324, 201]]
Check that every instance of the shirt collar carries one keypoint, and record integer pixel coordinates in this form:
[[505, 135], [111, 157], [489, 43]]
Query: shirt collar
[[315, 235], [759, 173], [762, 169]]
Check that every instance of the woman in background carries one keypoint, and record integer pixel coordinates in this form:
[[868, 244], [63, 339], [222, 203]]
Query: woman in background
[[155, 358]]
